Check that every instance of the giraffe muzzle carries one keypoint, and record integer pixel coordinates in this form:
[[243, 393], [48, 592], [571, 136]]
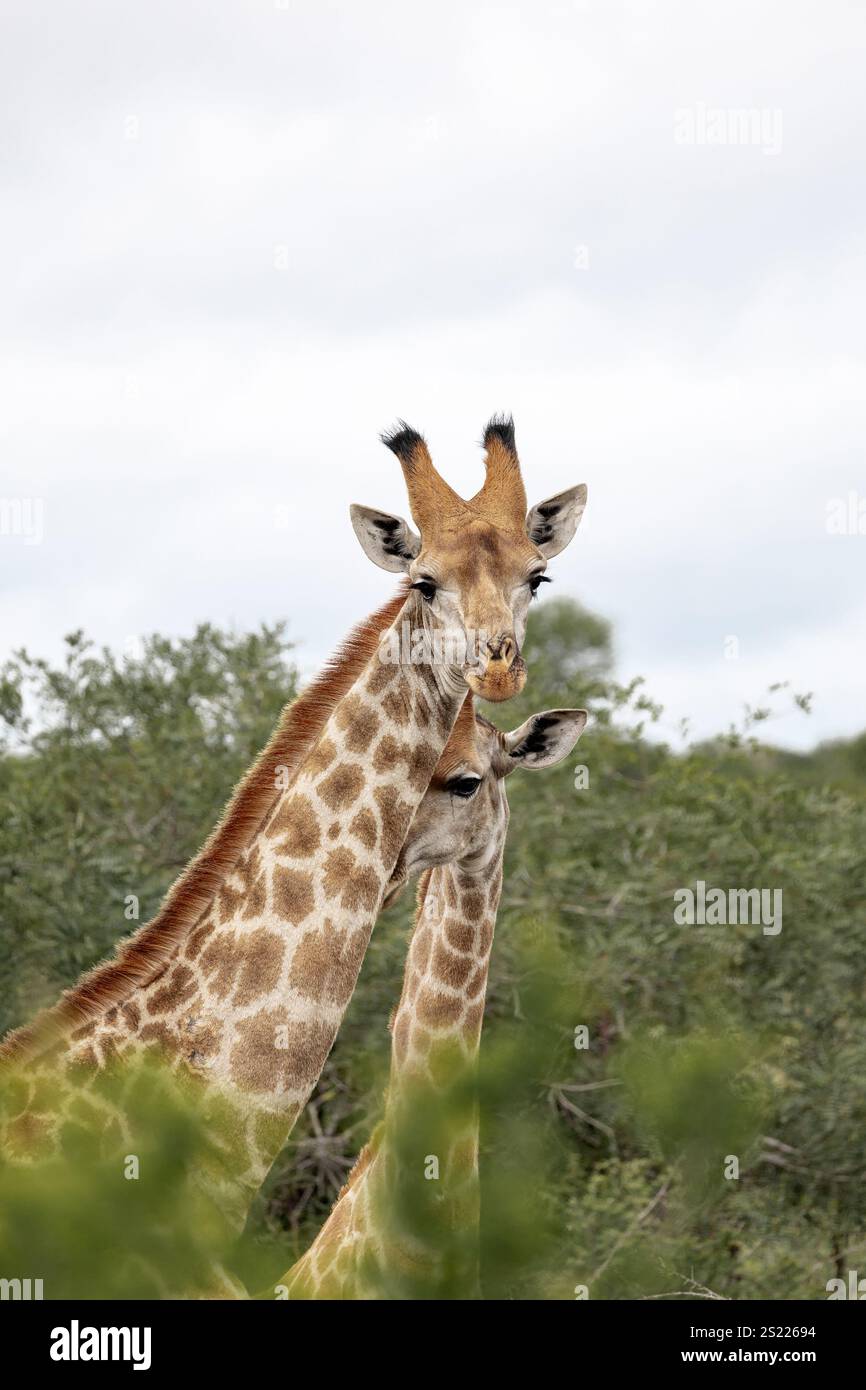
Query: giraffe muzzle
[[502, 672]]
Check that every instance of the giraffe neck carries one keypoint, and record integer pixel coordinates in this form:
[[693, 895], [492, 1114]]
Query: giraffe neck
[[251, 998], [445, 979], [425, 1153]]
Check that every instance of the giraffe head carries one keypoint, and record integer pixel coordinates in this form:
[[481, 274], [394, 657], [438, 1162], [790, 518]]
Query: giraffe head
[[464, 814], [477, 563]]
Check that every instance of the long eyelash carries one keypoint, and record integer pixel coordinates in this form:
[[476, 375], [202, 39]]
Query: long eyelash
[[464, 796], [537, 579]]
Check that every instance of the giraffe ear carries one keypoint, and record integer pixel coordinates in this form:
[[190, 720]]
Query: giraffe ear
[[545, 739], [385, 539], [551, 524]]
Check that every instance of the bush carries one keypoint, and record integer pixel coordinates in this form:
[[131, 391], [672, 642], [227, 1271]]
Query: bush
[[602, 1167]]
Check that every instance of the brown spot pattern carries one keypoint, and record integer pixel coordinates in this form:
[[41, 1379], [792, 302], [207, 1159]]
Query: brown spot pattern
[[420, 948], [28, 1136], [263, 953], [359, 722], [473, 906], [357, 886], [180, 987], [421, 711], [326, 963], [388, 753], [396, 817], [258, 1065], [381, 676], [451, 969], [132, 1015], [220, 962], [292, 894], [160, 1034], [459, 934], [365, 829], [321, 757], [486, 936], [419, 758], [295, 820], [257, 897], [199, 937], [397, 704], [438, 1010], [478, 981], [342, 786], [472, 1021]]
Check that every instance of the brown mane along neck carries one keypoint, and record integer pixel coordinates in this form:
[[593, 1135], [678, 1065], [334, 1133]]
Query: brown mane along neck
[[141, 956]]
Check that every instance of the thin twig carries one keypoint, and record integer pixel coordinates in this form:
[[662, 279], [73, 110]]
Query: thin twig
[[630, 1230]]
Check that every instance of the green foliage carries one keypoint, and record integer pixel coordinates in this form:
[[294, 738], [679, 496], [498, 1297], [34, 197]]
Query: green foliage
[[602, 1167], [108, 1218], [114, 772]]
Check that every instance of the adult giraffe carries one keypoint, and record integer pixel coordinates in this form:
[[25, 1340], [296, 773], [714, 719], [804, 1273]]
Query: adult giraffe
[[242, 978], [399, 1228]]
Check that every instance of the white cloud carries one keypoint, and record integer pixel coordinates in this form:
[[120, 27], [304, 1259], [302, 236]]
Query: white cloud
[[329, 216]]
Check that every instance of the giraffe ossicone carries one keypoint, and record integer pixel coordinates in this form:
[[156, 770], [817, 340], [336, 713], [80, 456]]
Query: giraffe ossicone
[[477, 561]]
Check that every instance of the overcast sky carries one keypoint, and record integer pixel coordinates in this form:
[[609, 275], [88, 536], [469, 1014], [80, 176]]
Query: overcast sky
[[239, 238]]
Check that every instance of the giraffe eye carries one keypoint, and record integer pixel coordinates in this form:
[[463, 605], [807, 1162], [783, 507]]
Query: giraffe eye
[[464, 786], [535, 582], [426, 588]]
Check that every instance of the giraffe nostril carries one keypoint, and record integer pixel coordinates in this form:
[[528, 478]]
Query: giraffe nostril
[[502, 648]]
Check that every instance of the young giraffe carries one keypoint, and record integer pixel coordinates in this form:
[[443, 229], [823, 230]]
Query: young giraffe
[[393, 1230], [242, 978]]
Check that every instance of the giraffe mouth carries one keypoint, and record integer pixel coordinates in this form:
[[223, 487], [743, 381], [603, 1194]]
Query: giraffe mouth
[[498, 681], [413, 859], [395, 887]]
